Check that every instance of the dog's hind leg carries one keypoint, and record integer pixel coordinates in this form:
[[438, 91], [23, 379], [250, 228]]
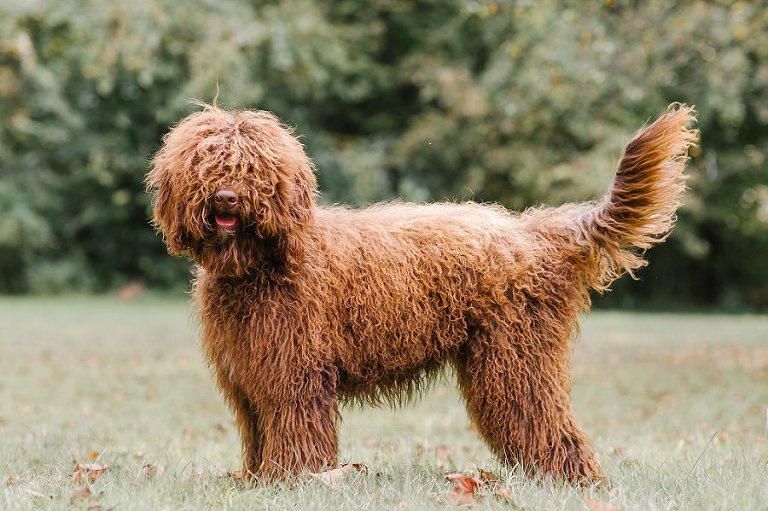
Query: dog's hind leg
[[516, 388]]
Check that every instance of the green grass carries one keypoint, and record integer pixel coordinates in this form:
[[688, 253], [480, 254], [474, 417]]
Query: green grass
[[675, 405]]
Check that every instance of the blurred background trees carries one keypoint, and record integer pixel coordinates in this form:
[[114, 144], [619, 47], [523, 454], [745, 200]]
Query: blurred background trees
[[517, 102]]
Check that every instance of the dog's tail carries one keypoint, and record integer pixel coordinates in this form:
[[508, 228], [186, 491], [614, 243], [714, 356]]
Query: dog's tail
[[639, 210]]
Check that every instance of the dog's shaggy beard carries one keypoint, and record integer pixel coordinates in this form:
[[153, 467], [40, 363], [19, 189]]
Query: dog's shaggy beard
[[236, 255]]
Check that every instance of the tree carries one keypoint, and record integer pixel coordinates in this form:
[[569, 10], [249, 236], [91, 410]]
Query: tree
[[515, 102]]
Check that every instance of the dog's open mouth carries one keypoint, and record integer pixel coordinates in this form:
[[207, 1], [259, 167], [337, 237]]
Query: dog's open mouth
[[226, 222]]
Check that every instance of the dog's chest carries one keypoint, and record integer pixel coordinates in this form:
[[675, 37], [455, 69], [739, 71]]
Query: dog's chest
[[232, 317]]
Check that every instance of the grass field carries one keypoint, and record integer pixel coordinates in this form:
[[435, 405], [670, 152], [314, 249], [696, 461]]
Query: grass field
[[675, 404]]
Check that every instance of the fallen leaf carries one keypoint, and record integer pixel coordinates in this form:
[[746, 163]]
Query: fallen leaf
[[596, 505], [488, 477], [77, 476], [334, 477], [619, 450], [466, 488], [443, 451], [130, 290], [357, 467], [79, 494], [94, 455], [151, 471], [92, 470], [504, 494], [238, 475], [460, 497]]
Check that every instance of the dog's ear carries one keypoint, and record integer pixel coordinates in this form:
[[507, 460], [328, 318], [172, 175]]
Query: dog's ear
[[296, 212], [302, 205], [166, 212]]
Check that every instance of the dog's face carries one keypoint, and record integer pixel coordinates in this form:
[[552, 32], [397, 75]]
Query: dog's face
[[233, 191]]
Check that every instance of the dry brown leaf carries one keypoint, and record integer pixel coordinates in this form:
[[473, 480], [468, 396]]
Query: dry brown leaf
[[460, 497], [331, 477], [334, 477], [466, 488], [597, 505], [95, 474], [91, 470], [357, 467], [504, 493], [443, 452], [151, 471], [79, 494], [488, 476], [619, 450], [130, 290], [238, 475], [77, 476], [95, 470]]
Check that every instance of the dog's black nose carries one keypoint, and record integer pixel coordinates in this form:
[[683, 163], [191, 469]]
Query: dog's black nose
[[226, 198]]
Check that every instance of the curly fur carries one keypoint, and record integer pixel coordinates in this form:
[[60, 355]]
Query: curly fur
[[302, 306]]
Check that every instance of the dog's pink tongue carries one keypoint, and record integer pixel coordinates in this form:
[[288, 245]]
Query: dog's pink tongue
[[226, 221]]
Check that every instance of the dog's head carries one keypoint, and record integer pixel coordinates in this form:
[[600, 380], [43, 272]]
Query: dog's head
[[234, 191]]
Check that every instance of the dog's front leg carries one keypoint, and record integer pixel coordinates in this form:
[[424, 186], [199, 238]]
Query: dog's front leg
[[300, 432], [248, 424], [251, 434]]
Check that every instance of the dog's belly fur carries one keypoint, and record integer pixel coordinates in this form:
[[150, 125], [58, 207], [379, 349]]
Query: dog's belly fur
[[437, 293]]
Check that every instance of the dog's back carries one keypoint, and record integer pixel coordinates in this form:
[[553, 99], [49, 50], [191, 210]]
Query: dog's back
[[423, 278]]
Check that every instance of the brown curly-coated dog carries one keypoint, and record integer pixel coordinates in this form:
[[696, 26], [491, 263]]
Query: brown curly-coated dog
[[303, 306]]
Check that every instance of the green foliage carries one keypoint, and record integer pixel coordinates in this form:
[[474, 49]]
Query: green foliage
[[516, 102]]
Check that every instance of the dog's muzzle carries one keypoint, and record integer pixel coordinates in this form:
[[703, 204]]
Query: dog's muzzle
[[225, 209]]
